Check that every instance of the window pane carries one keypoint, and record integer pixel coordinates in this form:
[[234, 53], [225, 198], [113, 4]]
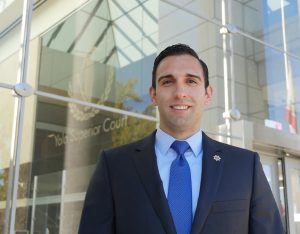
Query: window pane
[[10, 26], [102, 54], [273, 170], [6, 123], [104, 59], [263, 94], [295, 179], [65, 152], [260, 19]]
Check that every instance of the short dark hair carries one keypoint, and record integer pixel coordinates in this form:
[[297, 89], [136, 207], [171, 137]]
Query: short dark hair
[[178, 49]]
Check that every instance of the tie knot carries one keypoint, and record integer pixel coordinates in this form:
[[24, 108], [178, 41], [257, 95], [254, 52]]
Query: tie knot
[[180, 147]]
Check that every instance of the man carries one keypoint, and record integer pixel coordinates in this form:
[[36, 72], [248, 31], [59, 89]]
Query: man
[[154, 186]]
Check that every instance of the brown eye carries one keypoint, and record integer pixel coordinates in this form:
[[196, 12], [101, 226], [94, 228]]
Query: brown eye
[[192, 81], [166, 82]]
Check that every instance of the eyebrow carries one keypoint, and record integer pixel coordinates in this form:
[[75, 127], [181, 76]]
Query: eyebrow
[[192, 75]]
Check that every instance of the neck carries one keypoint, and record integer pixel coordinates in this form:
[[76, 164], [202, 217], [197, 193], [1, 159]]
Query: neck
[[180, 135]]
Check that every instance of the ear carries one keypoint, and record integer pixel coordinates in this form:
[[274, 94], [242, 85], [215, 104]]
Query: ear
[[152, 94], [208, 95]]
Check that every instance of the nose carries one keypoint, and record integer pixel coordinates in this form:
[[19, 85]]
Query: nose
[[180, 91]]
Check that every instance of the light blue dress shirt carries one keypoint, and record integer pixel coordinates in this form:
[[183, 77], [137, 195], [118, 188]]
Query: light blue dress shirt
[[165, 156]]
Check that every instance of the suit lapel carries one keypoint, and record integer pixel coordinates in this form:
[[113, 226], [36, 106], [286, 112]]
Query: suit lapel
[[145, 162], [211, 174]]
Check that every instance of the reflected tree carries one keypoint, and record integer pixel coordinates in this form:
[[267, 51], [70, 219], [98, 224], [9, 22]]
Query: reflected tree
[[135, 128]]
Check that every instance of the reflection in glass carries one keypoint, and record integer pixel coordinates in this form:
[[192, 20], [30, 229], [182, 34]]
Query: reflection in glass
[[9, 67], [275, 179], [65, 153], [6, 123], [295, 179], [102, 54], [281, 85], [262, 92], [266, 79], [9, 6], [282, 199], [104, 47], [278, 21], [292, 27], [263, 20], [292, 114], [10, 13]]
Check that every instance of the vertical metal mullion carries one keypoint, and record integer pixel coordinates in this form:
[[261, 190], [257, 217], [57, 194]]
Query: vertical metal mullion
[[18, 119], [285, 192], [35, 183], [232, 64], [61, 215], [287, 72], [225, 74]]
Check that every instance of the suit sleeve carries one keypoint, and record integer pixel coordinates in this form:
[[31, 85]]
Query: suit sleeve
[[98, 214], [264, 214]]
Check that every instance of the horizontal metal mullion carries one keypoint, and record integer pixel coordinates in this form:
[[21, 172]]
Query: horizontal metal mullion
[[267, 44], [84, 103], [93, 105], [107, 108], [6, 86]]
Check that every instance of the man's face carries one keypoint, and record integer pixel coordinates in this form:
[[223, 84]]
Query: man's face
[[180, 95]]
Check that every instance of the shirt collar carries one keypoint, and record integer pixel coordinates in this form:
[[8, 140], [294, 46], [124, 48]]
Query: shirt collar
[[164, 141]]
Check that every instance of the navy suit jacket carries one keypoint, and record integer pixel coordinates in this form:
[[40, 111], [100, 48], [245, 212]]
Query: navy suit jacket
[[126, 196]]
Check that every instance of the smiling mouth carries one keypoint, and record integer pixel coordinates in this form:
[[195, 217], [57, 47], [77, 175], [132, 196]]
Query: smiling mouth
[[180, 107]]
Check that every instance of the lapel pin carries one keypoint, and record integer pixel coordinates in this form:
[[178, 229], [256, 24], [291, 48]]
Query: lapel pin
[[217, 158]]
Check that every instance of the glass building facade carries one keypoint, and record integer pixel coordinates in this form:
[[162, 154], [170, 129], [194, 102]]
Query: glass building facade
[[79, 85]]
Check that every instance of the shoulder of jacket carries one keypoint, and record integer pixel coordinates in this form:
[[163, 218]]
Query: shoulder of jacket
[[233, 149], [130, 147]]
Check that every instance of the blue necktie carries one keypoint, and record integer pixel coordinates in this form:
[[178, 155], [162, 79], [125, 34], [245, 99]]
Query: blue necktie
[[180, 190]]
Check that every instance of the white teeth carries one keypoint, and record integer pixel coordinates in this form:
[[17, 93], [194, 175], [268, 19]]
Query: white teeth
[[180, 107]]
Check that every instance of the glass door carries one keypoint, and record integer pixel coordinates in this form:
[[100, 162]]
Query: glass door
[[293, 193], [272, 167]]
